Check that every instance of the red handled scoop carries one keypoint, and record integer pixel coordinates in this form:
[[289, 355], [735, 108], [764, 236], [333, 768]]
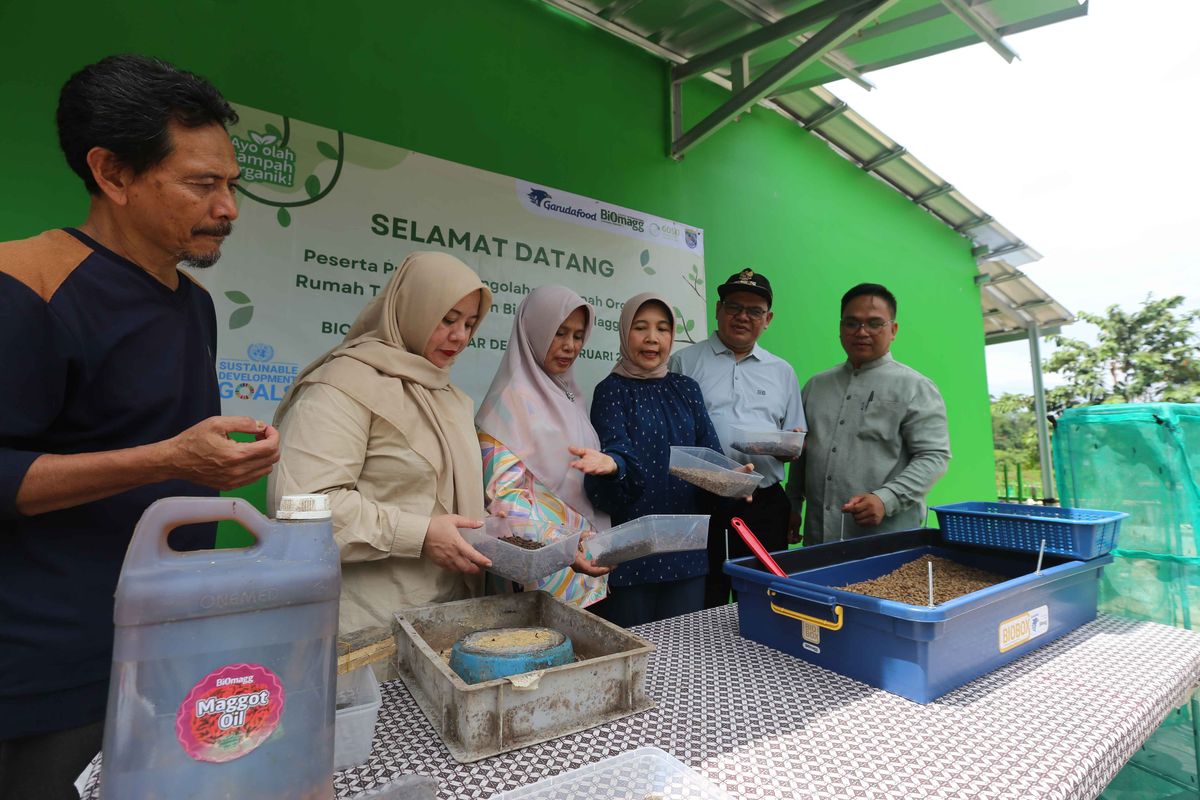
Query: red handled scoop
[[756, 547]]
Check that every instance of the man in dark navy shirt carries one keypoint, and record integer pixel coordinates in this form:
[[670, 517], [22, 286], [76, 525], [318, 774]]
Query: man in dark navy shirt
[[110, 398]]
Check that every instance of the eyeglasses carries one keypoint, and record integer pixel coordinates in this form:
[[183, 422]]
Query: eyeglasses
[[874, 325], [753, 312]]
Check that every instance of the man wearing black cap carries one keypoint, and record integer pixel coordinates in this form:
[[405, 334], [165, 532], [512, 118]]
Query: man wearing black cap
[[744, 386]]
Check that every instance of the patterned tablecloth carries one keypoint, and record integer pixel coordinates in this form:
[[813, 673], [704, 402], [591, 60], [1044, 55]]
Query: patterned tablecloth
[[1057, 723]]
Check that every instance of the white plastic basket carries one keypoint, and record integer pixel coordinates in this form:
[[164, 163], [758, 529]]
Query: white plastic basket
[[354, 722], [636, 775]]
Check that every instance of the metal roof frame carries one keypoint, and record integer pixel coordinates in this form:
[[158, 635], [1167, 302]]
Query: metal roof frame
[[843, 18], [1013, 306]]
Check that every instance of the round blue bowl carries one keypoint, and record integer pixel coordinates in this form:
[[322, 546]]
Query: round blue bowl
[[499, 652]]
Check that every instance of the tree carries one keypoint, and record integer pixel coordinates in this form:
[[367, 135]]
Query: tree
[[1145, 356], [1013, 430]]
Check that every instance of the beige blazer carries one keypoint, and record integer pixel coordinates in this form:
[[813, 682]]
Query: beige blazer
[[383, 495]]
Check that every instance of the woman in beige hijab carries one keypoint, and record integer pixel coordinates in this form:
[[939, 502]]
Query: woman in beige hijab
[[376, 424]]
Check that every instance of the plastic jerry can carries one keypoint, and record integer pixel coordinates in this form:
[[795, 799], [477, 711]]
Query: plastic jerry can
[[224, 661]]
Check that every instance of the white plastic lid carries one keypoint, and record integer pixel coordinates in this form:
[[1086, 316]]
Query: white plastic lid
[[304, 506]]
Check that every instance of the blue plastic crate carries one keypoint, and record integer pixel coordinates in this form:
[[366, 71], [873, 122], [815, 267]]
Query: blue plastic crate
[[1076, 532], [913, 651]]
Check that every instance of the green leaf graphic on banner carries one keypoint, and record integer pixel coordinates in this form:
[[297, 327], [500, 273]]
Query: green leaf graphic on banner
[[327, 150], [284, 217], [238, 297], [312, 185], [241, 317], [645, 261], [271, 129], [683, 325]]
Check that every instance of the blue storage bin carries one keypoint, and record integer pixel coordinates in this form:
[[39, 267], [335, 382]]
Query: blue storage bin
[[913, 651], [1077, 532]]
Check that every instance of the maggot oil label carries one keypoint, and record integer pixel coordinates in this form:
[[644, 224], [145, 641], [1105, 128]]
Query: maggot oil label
[[230, 712]]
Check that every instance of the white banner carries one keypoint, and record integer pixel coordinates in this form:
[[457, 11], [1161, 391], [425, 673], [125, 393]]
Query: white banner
[[326, 218]]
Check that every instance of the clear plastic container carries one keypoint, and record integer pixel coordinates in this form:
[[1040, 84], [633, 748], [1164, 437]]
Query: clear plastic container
[[786, 445], [653, 533], [224, 661], [639, 774], [712, 471], [358, 702], [517, 563], [406, 787]]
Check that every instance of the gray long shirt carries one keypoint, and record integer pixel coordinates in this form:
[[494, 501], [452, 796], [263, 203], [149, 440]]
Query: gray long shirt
[[879, 429]]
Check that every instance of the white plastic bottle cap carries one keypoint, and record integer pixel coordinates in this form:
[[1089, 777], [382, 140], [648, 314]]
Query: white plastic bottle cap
[[304, 506]]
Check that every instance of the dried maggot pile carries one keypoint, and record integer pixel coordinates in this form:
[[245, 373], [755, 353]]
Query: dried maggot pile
[[910, 582], [626, 552], [523, 543], [726, 484], [776, 449]]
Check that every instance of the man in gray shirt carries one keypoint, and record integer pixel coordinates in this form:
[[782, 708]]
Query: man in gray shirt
[[744, 386], [877, 438]]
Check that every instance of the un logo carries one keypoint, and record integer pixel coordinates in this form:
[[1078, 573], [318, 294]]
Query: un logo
[[260, 352]]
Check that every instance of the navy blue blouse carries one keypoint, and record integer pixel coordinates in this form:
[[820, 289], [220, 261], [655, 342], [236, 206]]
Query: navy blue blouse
[[640, 420]]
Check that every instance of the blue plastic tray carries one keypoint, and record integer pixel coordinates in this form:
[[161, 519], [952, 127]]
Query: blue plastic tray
[[1076, 532], [913, 651]]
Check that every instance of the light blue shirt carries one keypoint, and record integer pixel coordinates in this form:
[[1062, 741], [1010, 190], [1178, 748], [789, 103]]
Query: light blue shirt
[[760, 392]]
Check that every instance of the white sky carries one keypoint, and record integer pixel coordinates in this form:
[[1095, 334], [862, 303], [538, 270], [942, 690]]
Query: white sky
[[1086, 148]]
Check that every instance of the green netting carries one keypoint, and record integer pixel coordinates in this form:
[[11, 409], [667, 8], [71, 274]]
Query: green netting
[[1143, 460], [1158, 588]]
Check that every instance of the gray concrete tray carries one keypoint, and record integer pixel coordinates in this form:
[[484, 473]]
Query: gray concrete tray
[[606, 682]]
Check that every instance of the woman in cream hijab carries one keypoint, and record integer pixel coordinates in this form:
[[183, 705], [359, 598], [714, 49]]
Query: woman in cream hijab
[[376, 424]]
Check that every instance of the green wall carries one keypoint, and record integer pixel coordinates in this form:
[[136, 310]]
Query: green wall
[[515, 87]]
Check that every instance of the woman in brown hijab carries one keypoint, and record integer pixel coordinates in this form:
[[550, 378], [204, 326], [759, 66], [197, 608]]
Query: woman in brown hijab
[[376, 424]]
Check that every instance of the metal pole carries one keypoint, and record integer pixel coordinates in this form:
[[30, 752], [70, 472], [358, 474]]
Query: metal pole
[[1039, 411], [1196, 732]]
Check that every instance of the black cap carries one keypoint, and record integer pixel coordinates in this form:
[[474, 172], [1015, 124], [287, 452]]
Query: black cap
[[747, 281]]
